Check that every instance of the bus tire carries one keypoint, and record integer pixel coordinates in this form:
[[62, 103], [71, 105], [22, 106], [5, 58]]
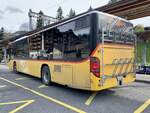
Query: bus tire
[[46, 76], [14, 67]]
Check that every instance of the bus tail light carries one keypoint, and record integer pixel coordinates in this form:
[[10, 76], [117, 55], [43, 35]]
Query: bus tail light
[[95, 66]]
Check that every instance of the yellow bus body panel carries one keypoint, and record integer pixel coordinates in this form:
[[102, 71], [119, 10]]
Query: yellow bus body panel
[[77, 74], [111, 52]]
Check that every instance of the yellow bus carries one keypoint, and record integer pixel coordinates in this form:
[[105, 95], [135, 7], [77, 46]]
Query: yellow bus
[[91, 51]]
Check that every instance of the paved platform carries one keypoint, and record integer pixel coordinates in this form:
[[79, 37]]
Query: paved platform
[[20, 93], [143, 78]]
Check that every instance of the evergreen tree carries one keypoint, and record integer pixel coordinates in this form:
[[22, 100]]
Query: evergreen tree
[[113, 1], [40, 21], [1, 33], [90, 8], [59, 15], [72, 13], [1, 38], [1, 54]]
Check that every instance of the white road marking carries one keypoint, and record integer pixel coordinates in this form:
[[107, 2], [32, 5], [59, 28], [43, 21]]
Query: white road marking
[[2, 86]]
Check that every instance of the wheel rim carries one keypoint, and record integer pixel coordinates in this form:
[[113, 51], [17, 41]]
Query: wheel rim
[[14, 68], [46, 77]]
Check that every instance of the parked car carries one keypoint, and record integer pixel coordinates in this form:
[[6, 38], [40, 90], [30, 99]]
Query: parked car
[[147, 69], [143, 70]]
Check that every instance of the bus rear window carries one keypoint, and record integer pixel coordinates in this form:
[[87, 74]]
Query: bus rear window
[[115, 30]]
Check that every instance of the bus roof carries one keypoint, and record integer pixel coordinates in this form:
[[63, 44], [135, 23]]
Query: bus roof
[[45, 28]]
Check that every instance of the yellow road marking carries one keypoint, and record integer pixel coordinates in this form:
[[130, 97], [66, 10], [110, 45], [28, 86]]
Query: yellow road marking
[[89, 100], [143, 107], [42, 86], [45, 96], [21, 78], [2, 86], [26, 103]]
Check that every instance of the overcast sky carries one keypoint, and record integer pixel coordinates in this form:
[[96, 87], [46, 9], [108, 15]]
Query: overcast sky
[[15, 12]]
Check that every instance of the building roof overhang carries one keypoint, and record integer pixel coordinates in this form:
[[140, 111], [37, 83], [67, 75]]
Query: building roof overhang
[[129, 9]]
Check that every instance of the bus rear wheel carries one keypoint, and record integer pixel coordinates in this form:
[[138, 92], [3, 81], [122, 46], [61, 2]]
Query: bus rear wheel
[[46, 76]]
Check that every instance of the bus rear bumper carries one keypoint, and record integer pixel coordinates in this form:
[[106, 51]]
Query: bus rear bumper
[[97, 85]]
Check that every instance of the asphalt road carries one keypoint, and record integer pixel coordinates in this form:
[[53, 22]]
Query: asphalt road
[[20, 93]]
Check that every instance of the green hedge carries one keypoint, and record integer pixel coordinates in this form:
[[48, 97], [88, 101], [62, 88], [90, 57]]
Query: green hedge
[[140, 47], [148, 53]]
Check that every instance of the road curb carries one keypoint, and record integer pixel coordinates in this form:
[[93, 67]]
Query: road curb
[[143, 81]]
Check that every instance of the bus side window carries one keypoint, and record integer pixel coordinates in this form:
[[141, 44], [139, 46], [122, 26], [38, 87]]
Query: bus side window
[[75, 42], [20, 49], [68, 41]]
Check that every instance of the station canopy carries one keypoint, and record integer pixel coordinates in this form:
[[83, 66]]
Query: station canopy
[[129, 9]]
